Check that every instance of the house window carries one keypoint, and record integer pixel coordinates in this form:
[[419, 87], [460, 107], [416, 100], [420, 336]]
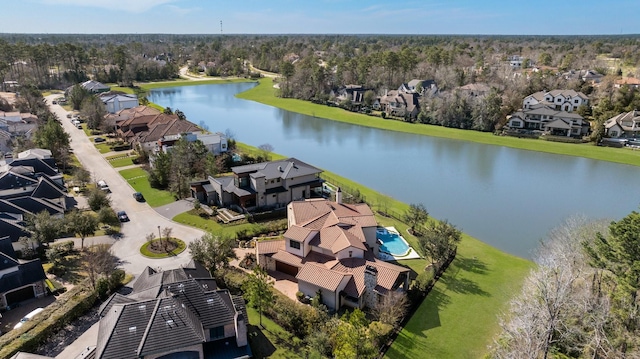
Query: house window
[[278, 180], [575, 101], [614, 133], [516, 123], [224, 146], [273, 195], [350, 254], [216, 333], [294, 244]]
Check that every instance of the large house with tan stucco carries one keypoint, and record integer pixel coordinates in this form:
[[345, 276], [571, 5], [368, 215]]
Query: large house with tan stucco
[[331, 248]]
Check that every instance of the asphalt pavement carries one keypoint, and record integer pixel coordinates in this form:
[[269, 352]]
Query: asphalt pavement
[[143, 218]]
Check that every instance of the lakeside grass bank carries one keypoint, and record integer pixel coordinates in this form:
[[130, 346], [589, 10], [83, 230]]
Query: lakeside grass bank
[[265, 93]]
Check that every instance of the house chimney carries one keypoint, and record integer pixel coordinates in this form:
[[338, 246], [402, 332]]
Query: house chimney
[[339, 195], [370, 283], [241, 329]]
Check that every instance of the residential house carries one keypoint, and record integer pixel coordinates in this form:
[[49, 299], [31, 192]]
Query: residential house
[[420, 87], [515, 61], [115, 102], [126, 114], [266, 184], [590, 76], [630, 82], [10, 86], [95, 86], [19, 280], [401, 104], [14, 125], [353, 94], [216, 143], [331, 248], [548, 120], [29, 184], [474, 90], [624, 125], [561, 100], [177, 313], [162, 130]]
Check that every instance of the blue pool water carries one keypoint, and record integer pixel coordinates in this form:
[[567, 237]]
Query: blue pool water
[[392, 243]]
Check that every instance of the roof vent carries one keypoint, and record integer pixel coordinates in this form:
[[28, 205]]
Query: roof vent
[[170, 323], [280, 169], [132, 329], [210, 301]]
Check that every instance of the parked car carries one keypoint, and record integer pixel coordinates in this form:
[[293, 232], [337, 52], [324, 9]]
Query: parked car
[[98, 139], [69, 115], [55, 102], [102, 184], [28, 317], [122, 216], [138, 196]]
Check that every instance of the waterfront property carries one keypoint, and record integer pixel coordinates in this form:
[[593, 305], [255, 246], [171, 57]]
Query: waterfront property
[[393, 246], [560, 100], [261, 185], [624, 125], [115, 102], [331, 248], [544, 119]]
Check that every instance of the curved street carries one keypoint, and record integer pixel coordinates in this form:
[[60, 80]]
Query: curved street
[[143, 218]]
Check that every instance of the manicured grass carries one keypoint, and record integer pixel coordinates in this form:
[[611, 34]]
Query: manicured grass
[[182, 82], [120, 160], [265, 93], [149, 254], [458, 319], [137, 178], [271, 340], [103, 147], [212, 225]]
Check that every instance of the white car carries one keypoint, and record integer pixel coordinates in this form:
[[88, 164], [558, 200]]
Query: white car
[[27, 317]]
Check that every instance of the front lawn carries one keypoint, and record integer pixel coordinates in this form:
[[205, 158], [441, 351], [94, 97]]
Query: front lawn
[[120, 160], [137, 178], [265, 93], [189, 218], [103, 147]]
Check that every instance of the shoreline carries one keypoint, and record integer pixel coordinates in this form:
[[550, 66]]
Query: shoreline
[[265, 93]]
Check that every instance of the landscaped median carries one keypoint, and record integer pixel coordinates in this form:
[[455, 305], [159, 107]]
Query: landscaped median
[[265, 93]]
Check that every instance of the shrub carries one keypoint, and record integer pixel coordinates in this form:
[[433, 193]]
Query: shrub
[[102, 287], [300, 295]]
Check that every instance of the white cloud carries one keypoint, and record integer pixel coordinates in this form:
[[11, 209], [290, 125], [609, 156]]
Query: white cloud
[[136, 6], [182, 10]]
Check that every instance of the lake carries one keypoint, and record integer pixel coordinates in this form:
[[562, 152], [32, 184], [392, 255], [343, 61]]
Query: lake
[[505, 197]]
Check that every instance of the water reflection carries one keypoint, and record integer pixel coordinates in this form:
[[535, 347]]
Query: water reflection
[[508, 198]]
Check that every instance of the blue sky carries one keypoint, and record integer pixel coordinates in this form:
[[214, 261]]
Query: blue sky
[[542, 17]]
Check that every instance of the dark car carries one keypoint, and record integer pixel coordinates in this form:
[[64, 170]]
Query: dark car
[[98, 139], [138, 196], [122, 216]]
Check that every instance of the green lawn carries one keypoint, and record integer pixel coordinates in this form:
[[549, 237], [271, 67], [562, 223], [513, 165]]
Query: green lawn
[[137, 178], [269, 341], [120, 160], [212, 225], [103, 147], [146, 251], [265, 93], [458, 319]]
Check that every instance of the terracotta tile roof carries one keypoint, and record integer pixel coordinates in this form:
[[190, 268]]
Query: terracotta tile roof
[[271, 246], [297, 233], [286, 257], [320, 276], [628, 81], [387, 273]]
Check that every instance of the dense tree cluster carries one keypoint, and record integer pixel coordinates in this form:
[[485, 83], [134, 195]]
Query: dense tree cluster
[[581, 300]]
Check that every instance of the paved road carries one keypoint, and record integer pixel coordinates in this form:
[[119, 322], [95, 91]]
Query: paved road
[[144, 219]]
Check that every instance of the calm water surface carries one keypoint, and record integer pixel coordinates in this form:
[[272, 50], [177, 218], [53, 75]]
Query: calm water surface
[[506, 197]]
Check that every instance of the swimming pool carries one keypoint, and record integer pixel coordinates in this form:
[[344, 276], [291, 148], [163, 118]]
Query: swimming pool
[[391, 242]]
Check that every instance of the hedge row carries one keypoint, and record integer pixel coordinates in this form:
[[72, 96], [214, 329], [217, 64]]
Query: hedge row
[[66, 308]]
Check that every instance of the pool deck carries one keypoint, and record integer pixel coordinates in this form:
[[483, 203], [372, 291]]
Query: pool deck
[[389, 257]]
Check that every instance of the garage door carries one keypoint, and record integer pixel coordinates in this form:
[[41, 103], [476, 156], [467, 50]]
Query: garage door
[[20, 295], [286, 268]]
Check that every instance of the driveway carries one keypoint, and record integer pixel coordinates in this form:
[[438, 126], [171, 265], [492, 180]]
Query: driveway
[[173, 209], [144, 219]]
